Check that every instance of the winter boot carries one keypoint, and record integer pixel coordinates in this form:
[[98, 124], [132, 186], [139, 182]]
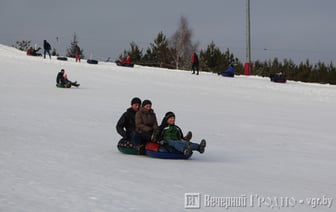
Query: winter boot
[[187, 150], [141, 149], [188, 136], [202, 146]]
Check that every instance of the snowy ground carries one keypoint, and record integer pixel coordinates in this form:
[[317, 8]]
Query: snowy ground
[[268, 144]]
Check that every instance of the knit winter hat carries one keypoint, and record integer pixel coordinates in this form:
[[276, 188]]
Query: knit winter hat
[[136, 100], [146, 102], [169, 114]]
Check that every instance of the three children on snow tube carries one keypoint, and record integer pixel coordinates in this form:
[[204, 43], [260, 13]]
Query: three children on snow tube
[[142, 135]]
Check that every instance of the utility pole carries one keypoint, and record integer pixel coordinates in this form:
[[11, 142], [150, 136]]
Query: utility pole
[[248, 65], [248, 32]]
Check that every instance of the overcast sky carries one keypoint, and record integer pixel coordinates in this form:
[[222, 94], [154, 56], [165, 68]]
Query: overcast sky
[[296, 29]]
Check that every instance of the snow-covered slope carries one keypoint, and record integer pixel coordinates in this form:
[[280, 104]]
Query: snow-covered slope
[[58, 152]]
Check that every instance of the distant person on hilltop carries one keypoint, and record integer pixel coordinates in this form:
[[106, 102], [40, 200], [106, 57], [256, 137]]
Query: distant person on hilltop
[[228, 72], [278, 77], [194, 63], [63, 81], [128, 61], [121, 61], [34, 52], [47, 48], [78, 53]]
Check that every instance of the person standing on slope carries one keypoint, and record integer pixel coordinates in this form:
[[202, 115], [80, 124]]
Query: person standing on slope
[[194, 63], [78, 53], [47, 48]]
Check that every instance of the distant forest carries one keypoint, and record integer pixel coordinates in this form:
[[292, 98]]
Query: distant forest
[[175, 53], [214, 60]]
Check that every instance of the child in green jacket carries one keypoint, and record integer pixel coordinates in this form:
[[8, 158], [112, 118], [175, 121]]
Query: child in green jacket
[[171, 134]]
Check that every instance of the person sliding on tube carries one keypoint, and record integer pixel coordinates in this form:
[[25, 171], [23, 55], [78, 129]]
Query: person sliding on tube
[[170, 134], [62, 79]]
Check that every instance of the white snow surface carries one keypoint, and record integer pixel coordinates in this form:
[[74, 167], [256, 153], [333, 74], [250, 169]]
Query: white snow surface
[[265, 141]]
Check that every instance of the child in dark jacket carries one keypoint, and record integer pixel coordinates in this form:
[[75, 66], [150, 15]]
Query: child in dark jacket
[[126, 124], [62, 79], [171, 134]]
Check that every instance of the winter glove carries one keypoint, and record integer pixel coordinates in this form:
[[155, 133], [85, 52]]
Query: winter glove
[[162, 142], [154, 135], [153, 138]]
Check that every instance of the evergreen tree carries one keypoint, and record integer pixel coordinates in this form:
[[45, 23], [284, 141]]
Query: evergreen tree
[[149, 58], [135, 53], [275, 66], [160, 49], [22, 45], [54, 52], [304, 71], [211, 58], [215, 61], [71, 51], [158, 53], [229, 58]]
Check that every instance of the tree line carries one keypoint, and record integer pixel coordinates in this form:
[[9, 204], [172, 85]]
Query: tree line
[[175, 52], [24, 45], [304, 71]]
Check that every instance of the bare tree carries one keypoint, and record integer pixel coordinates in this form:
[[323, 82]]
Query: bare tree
[[181, 45]]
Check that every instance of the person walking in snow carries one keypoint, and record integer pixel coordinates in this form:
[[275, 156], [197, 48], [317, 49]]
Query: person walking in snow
[[126, 123], [194, 63], [170, 134], [47, 48], [62, 79], [145, 124]]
